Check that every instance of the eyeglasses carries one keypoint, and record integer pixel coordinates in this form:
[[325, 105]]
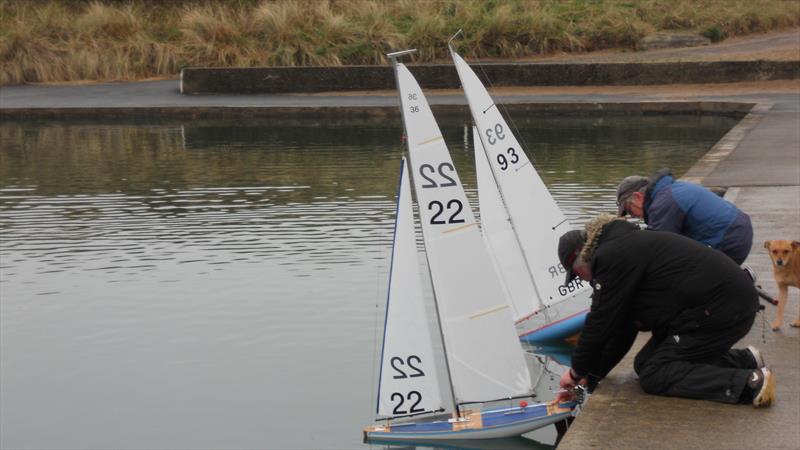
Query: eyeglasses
[[624, 203]]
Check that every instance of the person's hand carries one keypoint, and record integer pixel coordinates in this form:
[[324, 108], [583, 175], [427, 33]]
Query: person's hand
[[567, 384]]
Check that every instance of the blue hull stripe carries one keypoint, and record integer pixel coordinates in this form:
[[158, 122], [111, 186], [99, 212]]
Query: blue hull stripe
[[557, 331], [492, 420]]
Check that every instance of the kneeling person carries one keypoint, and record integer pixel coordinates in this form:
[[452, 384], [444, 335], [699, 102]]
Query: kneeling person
[[688, 209], [696, 302]]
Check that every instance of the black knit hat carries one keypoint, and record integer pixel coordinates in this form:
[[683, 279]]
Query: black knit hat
[[569, 245]]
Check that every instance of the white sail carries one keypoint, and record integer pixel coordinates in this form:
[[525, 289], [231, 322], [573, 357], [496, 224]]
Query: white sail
[[500, 238], [408, 382], [533, 213], [483, 351]]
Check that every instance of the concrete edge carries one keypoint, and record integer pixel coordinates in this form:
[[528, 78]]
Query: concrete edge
[[725, 146], [275, 80], [734, 109]]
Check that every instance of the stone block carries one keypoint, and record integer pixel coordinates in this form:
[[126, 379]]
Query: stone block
[[671, 40]]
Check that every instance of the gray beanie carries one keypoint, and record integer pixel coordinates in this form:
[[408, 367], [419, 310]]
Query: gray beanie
[[625, 190]]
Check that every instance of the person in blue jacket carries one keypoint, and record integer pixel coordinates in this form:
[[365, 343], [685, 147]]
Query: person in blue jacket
[[688, 209]]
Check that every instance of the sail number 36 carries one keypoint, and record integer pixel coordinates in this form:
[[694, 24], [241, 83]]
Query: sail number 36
[[413, 108]]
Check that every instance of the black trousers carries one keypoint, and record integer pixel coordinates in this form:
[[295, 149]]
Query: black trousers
[[697, 364]]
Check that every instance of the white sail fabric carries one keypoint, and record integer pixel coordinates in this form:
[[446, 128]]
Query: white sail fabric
[[408, 381], [500, 239], [534, 214], [483, 351]]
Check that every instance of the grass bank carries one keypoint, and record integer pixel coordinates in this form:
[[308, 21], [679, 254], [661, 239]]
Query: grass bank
[[50, 40]]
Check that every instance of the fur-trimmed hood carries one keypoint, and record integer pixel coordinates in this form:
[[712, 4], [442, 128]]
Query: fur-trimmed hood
[[594, 229]]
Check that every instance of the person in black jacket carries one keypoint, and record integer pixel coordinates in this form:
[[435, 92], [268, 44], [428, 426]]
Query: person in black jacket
[[695, 300]]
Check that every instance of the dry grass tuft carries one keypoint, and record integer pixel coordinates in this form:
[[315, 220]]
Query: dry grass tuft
[[52, 40]]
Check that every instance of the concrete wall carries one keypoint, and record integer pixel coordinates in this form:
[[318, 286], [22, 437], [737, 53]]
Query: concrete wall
[[273, 80], [377, 113]]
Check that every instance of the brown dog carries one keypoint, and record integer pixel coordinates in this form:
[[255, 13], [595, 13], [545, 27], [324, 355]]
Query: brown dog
[[786, 268]]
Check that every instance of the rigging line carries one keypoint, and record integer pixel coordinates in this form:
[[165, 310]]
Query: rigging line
[[374, 412], [514, 397], [509, 119], [542, 369], [557, 225], [435, 411]]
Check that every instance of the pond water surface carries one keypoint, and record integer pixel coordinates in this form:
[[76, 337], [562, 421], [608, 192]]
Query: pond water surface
[[220, 284]]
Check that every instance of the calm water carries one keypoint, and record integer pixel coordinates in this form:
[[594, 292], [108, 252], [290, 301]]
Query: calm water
[[220, 284]]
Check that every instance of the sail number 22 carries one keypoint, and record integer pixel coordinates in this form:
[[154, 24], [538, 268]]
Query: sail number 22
[[412, 371], [441, 176], [436, 178]]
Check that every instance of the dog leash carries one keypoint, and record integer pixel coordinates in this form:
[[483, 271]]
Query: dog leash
[[761, 292], [766, 297]]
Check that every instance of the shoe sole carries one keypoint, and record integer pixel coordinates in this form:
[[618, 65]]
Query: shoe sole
[[757, 356], [766, 396]]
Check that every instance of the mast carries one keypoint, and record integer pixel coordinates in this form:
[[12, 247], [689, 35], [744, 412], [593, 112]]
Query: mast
[[393, 57]]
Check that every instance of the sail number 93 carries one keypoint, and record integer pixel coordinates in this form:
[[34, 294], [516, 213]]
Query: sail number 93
[[498, 134], [495, 134], [513, 158]]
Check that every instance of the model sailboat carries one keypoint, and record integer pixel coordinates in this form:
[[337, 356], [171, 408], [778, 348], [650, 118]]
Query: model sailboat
[[482, 353], [521, 224]]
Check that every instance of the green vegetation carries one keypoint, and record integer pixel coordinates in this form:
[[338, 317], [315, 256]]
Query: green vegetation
[[51, 40]]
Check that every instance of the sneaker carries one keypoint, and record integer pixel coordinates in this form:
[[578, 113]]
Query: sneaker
[[757, 356], [750, 273], [763, 385]]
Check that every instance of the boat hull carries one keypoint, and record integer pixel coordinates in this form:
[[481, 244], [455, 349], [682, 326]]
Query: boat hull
[[561, 321], [488, 424]]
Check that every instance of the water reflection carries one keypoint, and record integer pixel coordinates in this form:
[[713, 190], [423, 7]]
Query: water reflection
[[221, 284]]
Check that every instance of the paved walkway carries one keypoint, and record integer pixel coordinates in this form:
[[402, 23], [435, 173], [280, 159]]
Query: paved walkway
[[165, 94], [760, 163], [778, 46], [759, 160]]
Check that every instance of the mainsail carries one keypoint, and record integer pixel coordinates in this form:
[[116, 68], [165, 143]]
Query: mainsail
[[533, 214], [481, 344]]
